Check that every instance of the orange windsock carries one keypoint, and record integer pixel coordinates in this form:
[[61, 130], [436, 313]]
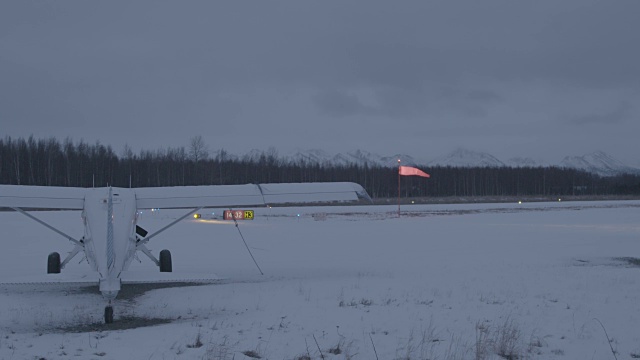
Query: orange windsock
[[408, 170]]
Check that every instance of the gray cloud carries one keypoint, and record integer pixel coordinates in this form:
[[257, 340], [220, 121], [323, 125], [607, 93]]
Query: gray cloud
[[243, 72], [339, 104], [620, 113]]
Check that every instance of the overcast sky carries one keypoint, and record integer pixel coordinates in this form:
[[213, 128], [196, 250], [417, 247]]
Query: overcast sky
[[538, 79]]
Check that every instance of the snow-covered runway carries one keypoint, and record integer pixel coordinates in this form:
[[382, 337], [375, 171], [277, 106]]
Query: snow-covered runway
[[442, 281]]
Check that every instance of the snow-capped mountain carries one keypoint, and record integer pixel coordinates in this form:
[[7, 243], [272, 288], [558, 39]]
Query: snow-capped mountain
[[467, 158], [599, 163], [392, 161], [312, 156], [522, 162], [358, 157]]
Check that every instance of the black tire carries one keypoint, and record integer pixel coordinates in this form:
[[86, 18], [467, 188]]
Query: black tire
[[108, 314], [165, 261], [53, 263]]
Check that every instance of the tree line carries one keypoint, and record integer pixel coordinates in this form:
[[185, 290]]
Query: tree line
[[50, 162]]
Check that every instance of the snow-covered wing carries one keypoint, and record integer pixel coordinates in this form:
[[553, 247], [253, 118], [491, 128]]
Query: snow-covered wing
[[42, 197], [246, 195], [312, 192], [197, 196]]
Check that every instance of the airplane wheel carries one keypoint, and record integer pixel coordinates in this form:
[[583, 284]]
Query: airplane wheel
[[108, 314], [53, 263], [165, 261]]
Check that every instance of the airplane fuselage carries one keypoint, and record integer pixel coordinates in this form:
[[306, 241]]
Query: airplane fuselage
[[110, 217]]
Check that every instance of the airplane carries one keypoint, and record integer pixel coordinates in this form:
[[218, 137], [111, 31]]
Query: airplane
[[112, 237]]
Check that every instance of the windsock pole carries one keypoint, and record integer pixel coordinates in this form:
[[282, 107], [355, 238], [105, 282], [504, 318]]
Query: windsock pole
[[398, 187]]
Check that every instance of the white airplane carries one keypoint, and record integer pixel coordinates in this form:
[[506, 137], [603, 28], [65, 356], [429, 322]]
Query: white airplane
[[111, 236]]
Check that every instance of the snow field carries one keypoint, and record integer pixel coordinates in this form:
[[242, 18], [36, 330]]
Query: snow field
[[440, 282]]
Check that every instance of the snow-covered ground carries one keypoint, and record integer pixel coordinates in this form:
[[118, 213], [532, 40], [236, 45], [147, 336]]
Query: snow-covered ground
[[533, 280]]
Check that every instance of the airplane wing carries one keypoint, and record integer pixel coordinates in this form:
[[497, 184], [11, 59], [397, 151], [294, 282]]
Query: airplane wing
[[72, 198], [42, 197], [247, 195]]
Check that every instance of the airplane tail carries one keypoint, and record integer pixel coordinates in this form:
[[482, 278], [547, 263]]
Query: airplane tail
[[110, 249]]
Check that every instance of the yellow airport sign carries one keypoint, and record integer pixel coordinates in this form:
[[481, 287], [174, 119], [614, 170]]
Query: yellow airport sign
[[238, 215]]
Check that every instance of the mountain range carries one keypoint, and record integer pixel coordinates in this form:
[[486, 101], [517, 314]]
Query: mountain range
[[597, 162]]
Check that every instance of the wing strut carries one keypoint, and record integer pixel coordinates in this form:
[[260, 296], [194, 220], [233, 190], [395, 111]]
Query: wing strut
[[71, 255], [146, 239], [245, 243], [77, 242], [146, 251]]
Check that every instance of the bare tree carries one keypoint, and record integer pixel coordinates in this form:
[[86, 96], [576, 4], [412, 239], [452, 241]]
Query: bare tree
[[128, 158], [198, 150]]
